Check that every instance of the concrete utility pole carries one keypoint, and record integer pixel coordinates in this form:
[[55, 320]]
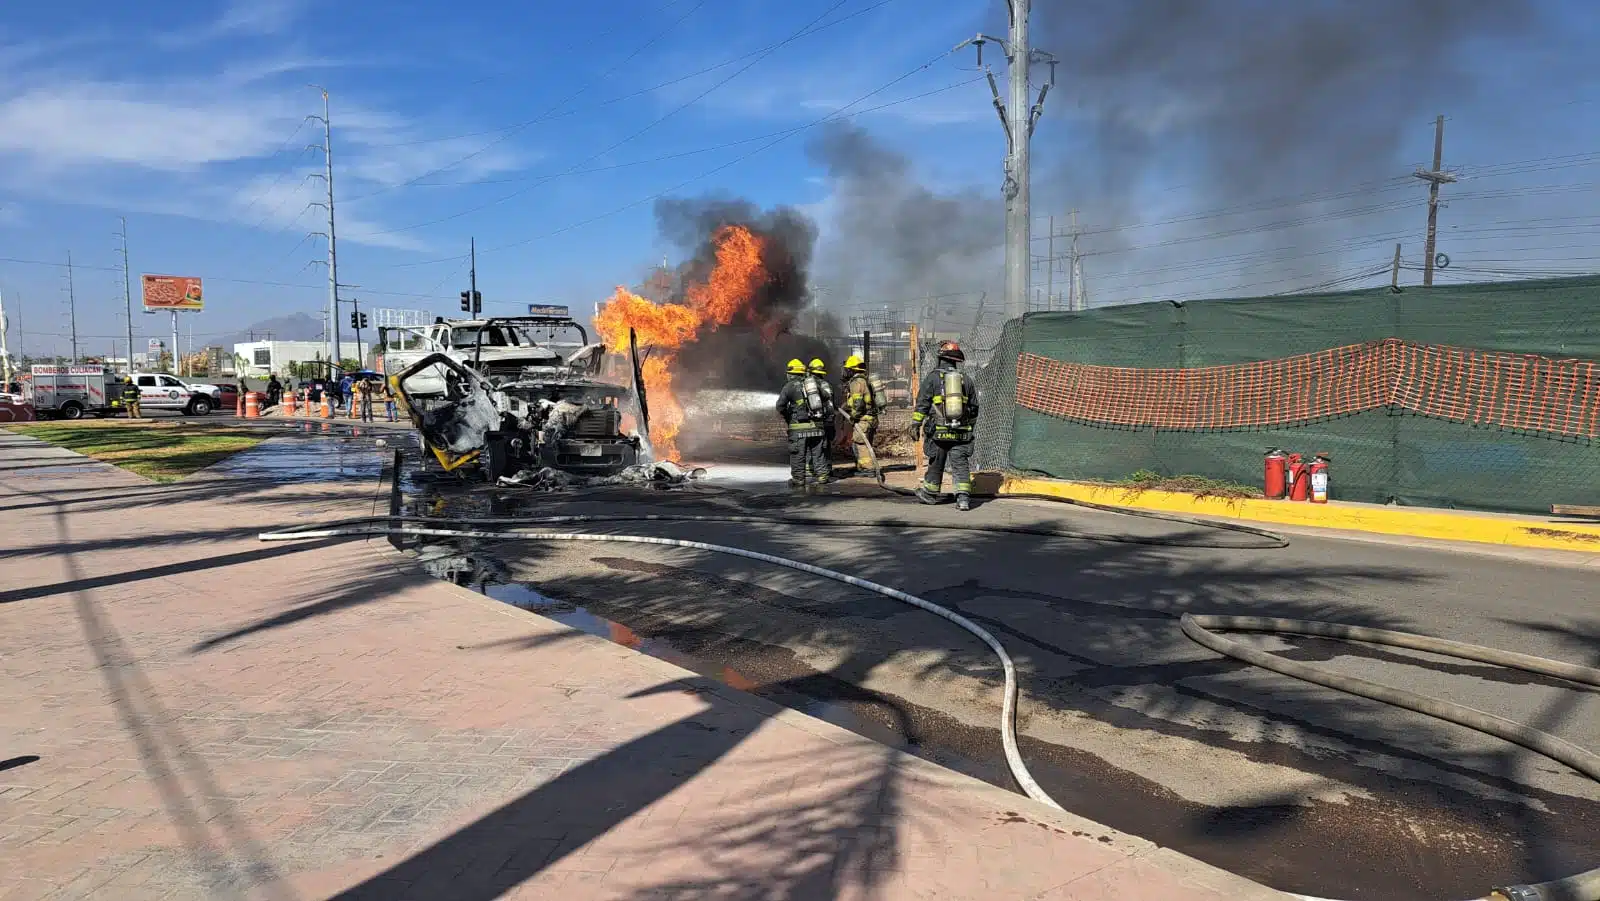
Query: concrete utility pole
[[1017, 119], [335, 351], [1050, 269], [6, 367], [1075, 273], [72, 308], [1394, 270], [127, 290], [1434, 177]]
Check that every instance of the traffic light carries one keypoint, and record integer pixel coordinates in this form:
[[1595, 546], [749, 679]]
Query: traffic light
[[472, 301], [477, 302], [466, 301], [363, 320], [355, 320]]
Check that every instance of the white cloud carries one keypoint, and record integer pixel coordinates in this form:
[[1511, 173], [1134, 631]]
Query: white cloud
[[97, 122], [242, 18]]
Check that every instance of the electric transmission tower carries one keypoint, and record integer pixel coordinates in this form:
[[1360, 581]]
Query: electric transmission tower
[[335, 351]]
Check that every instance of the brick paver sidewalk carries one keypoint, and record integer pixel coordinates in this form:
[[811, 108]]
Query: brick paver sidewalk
[[218, 718]]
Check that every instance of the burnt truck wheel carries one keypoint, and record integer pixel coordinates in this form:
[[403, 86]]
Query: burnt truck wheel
[[71, 410]]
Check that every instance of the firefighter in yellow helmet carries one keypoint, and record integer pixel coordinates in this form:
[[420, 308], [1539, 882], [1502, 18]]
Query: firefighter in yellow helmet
[[950, 397], [862, 405], [804, 408], [822, 456]]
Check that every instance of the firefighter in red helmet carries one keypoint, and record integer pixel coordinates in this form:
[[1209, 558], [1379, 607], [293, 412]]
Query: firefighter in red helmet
[[946, 411]]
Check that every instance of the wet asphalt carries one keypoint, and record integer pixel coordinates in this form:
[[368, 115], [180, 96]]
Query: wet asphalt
[[1123, 719]]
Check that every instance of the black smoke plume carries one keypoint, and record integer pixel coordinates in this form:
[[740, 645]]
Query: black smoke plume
[[894, 241], [749, 354], [1302, 110]]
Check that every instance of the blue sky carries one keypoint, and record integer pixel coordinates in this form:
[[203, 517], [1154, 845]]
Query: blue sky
[[533, 127]]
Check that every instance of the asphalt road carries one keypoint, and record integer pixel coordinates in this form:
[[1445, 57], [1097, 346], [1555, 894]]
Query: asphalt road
[[1123, 719]]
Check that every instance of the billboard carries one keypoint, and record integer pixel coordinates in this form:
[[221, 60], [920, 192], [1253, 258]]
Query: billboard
[[155, 347], [545, 309], [172, 292]]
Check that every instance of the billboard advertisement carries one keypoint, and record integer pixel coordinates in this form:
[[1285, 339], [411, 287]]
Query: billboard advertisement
[[172, 292]]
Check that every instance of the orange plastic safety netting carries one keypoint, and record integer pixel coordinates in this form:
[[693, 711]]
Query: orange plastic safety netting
[[1517, 391]]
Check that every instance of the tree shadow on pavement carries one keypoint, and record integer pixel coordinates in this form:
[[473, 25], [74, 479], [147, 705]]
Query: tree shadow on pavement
[[773, 838], [1093, 628], [223, 848]]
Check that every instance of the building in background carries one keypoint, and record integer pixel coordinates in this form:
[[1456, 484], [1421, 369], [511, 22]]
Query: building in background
[[260, 359]]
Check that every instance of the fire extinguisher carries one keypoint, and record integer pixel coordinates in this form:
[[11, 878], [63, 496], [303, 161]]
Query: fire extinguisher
[[1291, 466], [1299, 479], [1319, 479], [1276, 482]]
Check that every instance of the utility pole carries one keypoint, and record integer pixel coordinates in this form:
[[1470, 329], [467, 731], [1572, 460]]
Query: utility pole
[[6, 367], [1050, 269], [355, 323], [1075, 274], [1394, 270], [472, 269], [1017, 119], [127, 290], [335, 351], [1434, 177], [72, 308]]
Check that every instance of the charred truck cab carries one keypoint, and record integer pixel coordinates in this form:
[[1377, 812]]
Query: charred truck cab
[[523, 406]]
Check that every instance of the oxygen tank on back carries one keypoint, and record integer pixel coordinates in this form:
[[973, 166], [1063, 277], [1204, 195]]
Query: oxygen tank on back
[[955, 396], [813, 391]]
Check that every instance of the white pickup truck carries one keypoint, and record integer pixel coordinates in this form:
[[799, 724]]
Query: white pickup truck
[[159, 391]]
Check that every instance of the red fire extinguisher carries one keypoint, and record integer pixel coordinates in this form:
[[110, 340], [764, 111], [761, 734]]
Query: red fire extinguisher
[[1319, 479], [1299, 479], [1277, 482]]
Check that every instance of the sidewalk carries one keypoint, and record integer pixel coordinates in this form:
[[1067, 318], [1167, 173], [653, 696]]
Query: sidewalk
[[220, 718]]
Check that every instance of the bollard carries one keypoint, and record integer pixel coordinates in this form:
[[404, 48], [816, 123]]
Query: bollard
[[252, 405], [327, 411], [288, 404]]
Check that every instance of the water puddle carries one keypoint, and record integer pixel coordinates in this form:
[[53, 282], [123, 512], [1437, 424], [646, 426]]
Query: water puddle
[[294, 460]]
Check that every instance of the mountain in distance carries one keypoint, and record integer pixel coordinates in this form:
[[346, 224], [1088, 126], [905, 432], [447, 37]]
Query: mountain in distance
[[294, 327]]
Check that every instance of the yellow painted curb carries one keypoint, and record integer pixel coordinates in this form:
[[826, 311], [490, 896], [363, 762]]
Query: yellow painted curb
[[1445, 525]]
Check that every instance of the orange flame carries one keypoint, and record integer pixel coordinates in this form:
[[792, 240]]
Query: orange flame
[[665, 327]]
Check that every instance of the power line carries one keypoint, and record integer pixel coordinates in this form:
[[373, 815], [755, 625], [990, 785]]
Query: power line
[[513, 130], [838, 113]]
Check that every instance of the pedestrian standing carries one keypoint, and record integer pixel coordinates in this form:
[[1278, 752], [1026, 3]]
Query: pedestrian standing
[[346, 386], [364, 395], [387, 394]]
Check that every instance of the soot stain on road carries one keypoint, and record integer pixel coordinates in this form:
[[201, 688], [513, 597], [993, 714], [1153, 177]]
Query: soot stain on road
[[1412, 839]]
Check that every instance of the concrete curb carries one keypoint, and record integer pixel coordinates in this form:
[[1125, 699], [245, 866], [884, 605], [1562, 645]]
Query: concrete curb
[[1447, 525]]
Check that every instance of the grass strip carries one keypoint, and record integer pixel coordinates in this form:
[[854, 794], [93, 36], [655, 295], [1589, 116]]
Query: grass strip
[[159, 451]]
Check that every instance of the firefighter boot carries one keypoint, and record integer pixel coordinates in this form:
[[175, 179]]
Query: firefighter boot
[[926, 496], [963, 502]]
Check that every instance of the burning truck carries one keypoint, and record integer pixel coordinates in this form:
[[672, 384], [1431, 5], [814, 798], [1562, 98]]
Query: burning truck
[[488, 396]]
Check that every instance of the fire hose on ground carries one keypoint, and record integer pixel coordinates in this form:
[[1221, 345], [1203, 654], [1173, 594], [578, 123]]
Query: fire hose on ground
[[1581, 887]]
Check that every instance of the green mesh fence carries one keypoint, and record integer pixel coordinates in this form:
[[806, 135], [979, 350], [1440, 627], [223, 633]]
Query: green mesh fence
[[1491, 392]]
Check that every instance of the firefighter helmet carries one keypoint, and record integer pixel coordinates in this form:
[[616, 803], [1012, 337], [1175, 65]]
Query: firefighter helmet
[[796, 367], [818, 367], [854, 363], [950, 350]]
